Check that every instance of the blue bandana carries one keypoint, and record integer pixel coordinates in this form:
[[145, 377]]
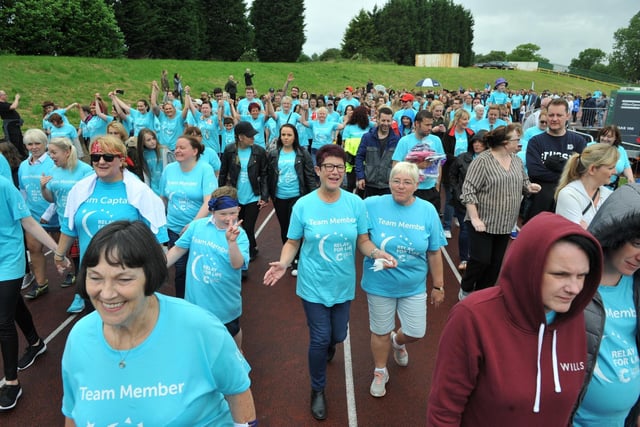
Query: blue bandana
[[222, 202]]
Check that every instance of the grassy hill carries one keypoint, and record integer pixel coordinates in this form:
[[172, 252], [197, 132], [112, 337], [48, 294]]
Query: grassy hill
[[66, 80]]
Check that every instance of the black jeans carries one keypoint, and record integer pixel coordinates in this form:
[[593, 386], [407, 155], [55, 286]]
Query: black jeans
[[13, 310], [180, 265], [283, 208], [249, 216], [431, 195], [486, 252]]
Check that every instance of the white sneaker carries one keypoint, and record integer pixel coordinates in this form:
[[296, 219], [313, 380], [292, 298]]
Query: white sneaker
[[378, 385], [294, 272], [27, 280], [400, 354], [447, 234]]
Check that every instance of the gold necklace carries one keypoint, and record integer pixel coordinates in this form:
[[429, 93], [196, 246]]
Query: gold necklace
[[122, 363]]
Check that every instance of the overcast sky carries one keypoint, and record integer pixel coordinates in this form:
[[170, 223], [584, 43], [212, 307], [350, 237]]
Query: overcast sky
[[561, 28]]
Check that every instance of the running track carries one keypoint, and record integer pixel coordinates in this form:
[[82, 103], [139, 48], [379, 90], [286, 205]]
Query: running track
[[275, 344]]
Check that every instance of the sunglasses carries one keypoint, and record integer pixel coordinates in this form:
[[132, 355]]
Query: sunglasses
[[95, 158]]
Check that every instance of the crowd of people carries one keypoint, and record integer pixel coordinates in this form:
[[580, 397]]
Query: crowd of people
[[390, 174]]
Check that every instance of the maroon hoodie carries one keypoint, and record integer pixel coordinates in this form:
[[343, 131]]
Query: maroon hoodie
[[499, 363]]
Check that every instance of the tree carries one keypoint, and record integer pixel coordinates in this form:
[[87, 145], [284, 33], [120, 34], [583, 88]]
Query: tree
[[227, 32], [330, 54], [362, 38], [138, 33], [526, 52], [494, 55], [410, 27], [625, 58], [279, 29], [588, 58], [60, 27]]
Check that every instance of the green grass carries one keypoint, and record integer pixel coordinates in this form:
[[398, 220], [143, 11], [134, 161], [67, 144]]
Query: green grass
[[66, 80]]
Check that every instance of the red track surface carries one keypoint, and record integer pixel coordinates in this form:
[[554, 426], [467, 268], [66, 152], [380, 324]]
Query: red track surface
[[275, 344]]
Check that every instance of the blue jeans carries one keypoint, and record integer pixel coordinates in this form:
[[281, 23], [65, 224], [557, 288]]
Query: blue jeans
[[448, 208], [181, 266], [327, 327], [463, 236]]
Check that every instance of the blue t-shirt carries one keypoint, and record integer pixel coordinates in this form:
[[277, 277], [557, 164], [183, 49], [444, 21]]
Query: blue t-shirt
[[107, 203], [95, 127], [245, 191], [485, 125], [615, 385], [322, 133], [516, 101], [290, 118], [212, 283], [497, 97], [288, 184], [155, 165], [29, 181], [5, 169], [172, 378], [211, 158], [326, 268], [185, 192], [12, 209], [228, 137], [462, 143], [344, 102], [258, 124], [406, 233], [62, 180], [405, 145], [170, 129], [47, 125], [243, 105], [141, 121], [210, 129], [65, 131]]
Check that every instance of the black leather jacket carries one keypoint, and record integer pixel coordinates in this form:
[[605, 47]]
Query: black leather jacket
[[304, 170], [257, 169]]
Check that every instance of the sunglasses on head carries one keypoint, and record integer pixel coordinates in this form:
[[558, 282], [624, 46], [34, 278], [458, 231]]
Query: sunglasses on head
[[95, 157]]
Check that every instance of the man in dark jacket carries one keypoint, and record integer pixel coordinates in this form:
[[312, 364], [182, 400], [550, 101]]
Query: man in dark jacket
[[11, 122], [374, 156]]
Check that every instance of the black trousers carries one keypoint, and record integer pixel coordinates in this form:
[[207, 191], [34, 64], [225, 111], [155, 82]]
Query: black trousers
[[431, 195], [249, 216], [13, 310], [486, 252]]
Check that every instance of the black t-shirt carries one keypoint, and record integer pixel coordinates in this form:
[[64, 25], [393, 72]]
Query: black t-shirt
[[6, 113]]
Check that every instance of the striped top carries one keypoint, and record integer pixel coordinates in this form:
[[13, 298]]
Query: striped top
[[496, 192]]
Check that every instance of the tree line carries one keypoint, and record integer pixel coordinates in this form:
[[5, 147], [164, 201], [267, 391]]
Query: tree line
[[269, 31]]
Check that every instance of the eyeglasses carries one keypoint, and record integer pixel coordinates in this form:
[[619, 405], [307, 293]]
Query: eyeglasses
[[329, 167], [543, 122], [95, 158]]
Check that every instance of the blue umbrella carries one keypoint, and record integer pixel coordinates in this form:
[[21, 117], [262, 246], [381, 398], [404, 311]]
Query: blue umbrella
[[428, 82]]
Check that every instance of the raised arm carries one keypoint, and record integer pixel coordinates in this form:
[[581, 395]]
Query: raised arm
[[290, 78], [116, 104], [99, 112], [188, 105], [154, 98]]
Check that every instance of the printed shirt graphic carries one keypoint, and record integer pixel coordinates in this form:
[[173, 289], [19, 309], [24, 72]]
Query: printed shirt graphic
[[212, 283], [406, 233], [405, 145], [617, 369], [288, 184], [107, 203], [326, 269], [154, 390], [185, 191]]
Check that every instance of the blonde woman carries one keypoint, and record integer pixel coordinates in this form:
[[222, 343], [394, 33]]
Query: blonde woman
[[581, 190]]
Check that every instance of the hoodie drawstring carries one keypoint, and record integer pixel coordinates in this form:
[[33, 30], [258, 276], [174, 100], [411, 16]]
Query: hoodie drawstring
[[554, 358]]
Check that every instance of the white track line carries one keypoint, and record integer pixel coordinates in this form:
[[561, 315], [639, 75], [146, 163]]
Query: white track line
[[352, 413]]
